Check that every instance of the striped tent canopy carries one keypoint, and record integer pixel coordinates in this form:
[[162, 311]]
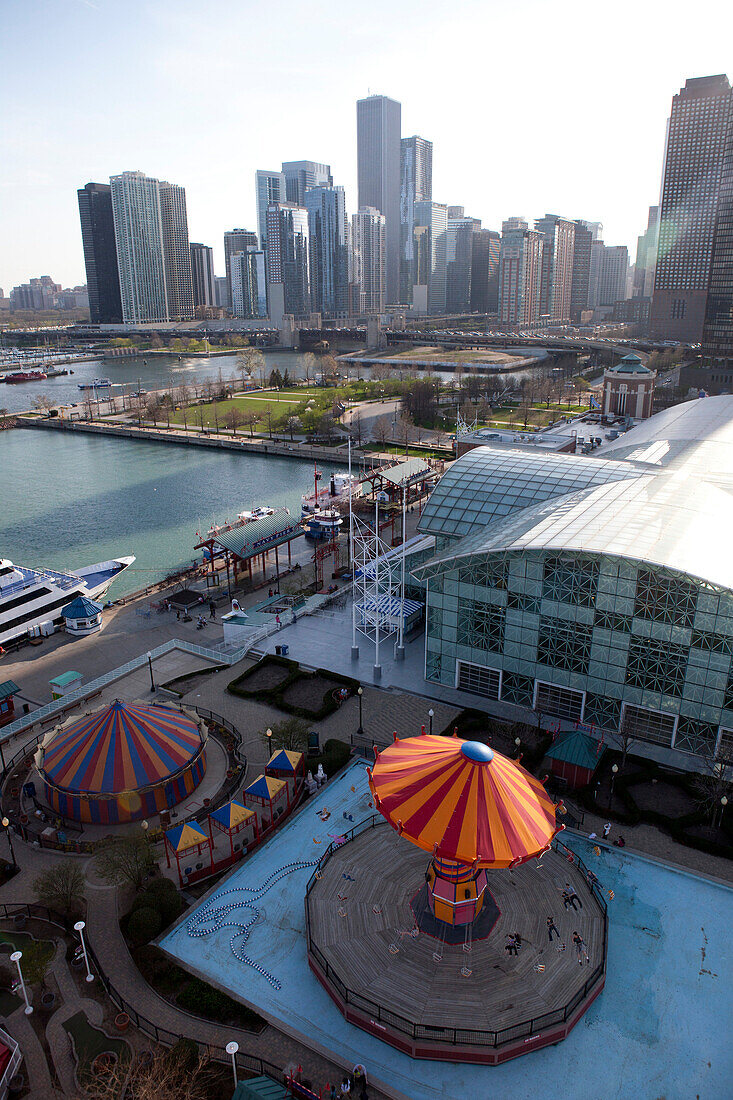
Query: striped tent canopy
[[231, 815], [265, 786], [184, 837], [462, 801], [285, 760], [123, 747]]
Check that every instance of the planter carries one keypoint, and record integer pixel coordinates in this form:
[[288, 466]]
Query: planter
[[20, 920], [122, 1021], [48, 1000], [77, 962], [104, 1063]]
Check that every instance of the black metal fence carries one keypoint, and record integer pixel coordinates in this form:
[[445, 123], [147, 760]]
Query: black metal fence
[[451, 1035]]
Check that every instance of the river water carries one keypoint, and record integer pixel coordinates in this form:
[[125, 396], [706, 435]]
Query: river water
[[72, 499]]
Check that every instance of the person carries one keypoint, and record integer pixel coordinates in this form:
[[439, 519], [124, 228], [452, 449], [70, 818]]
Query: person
[[551, 928], [358, 1076], [269, 593], [620, 843], [212, 609], [277, 620], [606, 830], [511, 946], [517, 940], [345, 1086], [178, 614], [570, 897], [580, 948]]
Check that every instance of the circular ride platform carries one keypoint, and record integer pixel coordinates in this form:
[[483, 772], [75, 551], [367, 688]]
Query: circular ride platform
[[471, 1001]]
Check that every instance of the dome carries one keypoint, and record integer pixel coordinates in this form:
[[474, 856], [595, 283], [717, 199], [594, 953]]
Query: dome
[[630, 364], [122, 762]]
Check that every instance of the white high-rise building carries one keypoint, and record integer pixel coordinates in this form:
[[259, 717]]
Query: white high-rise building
[[270, 187], [378, 126], [139, 239], [368, 245]]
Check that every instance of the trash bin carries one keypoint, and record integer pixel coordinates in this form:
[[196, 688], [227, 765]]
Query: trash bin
[[278, 650], [284, 649]]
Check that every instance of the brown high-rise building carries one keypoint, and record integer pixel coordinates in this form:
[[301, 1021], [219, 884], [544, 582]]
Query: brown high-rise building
[[693, 171], [556, 287]]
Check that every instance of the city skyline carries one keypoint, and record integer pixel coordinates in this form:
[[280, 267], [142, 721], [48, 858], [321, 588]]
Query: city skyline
[[311, 114]]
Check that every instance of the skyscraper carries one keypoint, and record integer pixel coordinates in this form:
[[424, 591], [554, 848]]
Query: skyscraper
[[249, 290], [301, 176], [176, 251], [270, 187], [646, 257], [597, 250], [236, 240], [416, 185], [202, 275], [434, 216], [520, 274], [368, 243], [485, 249], [581, 270], [139, 242], [100, 253], [329, 256], [614, 269], [378, 125], [557, 266], [459, 262], [693, 171], [288, 266], [718, 329]]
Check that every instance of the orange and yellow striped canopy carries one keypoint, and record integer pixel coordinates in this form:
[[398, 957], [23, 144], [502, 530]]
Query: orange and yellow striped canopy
[[462, 801]]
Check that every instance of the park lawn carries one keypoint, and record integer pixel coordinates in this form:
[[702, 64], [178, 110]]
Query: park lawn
[[244, 405]]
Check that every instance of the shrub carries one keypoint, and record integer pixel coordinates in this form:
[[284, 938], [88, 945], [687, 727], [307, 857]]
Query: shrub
[[184, 1054], [203, 1000], [143, 925], [162, 896]]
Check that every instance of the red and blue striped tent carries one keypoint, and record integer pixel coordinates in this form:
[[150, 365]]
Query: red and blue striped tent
[[462, 801], [121, 763]]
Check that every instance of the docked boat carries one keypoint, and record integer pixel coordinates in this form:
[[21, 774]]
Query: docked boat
[[51, 373], [333, 495], [95, 384], [324, 525], [25, 376], [241, 520], [29, 597]]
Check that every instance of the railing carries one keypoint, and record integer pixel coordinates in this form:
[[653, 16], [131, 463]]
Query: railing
[[246, 1062], [451, 1035]]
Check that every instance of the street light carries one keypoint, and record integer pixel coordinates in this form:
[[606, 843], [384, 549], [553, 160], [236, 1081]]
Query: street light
[[431, 714], [232, 1049], [150, 666], [723, 804], [614, 773], [6, 826], [16, 957], [79, 927], [360, 692]]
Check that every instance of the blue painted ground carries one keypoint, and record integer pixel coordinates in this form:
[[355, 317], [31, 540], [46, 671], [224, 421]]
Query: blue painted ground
[[660, 1029]]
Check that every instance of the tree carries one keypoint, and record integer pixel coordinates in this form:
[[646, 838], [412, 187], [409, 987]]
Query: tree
[[61, 887], [327, 427], [125, 860], [713, 782], [357, 427], [382, 429], [405, 431], [183, 397], [294, 425], [250, 421], [249, 362], [291, 733], [233, 419], [310, 368], [176, 1074], [275, 380], [153, 410], [43, 403], [4, 415]]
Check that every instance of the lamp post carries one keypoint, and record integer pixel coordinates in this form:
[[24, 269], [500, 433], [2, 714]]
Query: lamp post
[[232, 1049], [268, 734], [79, 927], [517, 744], [360, 692], [723, 804], [16, 957], [145, 825], [6, 826], [150, 666], [431, 715], [614, 773]]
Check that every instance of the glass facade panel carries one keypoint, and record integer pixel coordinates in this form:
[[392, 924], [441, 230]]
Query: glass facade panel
[[564, 644], [478, 680], [647, 725], [655, 666]]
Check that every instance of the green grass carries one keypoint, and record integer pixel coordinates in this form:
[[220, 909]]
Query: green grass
[[413, 452], [89, 1042]]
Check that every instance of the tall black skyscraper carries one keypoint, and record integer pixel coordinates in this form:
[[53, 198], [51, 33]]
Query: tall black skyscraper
[[100, 253], [718, 331], [378, 126]]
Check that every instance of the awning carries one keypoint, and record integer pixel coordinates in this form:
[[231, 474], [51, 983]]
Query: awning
[[262, 534]]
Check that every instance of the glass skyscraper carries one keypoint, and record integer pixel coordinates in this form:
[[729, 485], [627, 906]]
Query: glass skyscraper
[[139, 241], [378, 126], [301, 176], [288, 261], [329, 256], [434, 216], [416, 185], [202, 274], [270, 187], [100, 253]]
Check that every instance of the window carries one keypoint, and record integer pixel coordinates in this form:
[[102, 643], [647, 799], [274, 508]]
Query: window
[[480, 625], [478, 680], [724, 750], [601, 711], [657, 666], [647, 725], [570, 579], [665, 598], [558, 701], [516, 688], [564, 644]]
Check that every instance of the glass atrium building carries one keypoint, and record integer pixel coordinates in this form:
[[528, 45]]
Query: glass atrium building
[[595, 590]]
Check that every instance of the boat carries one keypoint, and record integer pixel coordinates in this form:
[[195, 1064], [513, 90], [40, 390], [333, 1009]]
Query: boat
[[241, 520], [324, 525], [56, 373], [333, 495], [30, 597], [95, 384], [26, 376]]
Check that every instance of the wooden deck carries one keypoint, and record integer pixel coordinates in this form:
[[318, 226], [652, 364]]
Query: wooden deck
[[423, 981]]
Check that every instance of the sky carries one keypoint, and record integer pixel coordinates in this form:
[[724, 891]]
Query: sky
[[532, 107]]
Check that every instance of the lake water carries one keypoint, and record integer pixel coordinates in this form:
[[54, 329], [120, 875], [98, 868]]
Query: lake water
[[71, 499]]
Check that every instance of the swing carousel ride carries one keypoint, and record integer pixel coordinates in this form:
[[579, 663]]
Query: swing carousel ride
[[453, 961]]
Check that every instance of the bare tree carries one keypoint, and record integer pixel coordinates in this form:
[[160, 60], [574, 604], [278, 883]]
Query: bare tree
[[250, 361], [125, 860], [357, 428], [250, 421], [153, 410], [405, 431], [61, 886], [291, 733], [382, 429], [170, 1075], [233, 419], [183, 397], [294, 425], [43, 403], [714, 781]]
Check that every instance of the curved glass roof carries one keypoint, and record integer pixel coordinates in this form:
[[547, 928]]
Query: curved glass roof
[[489, 483]]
